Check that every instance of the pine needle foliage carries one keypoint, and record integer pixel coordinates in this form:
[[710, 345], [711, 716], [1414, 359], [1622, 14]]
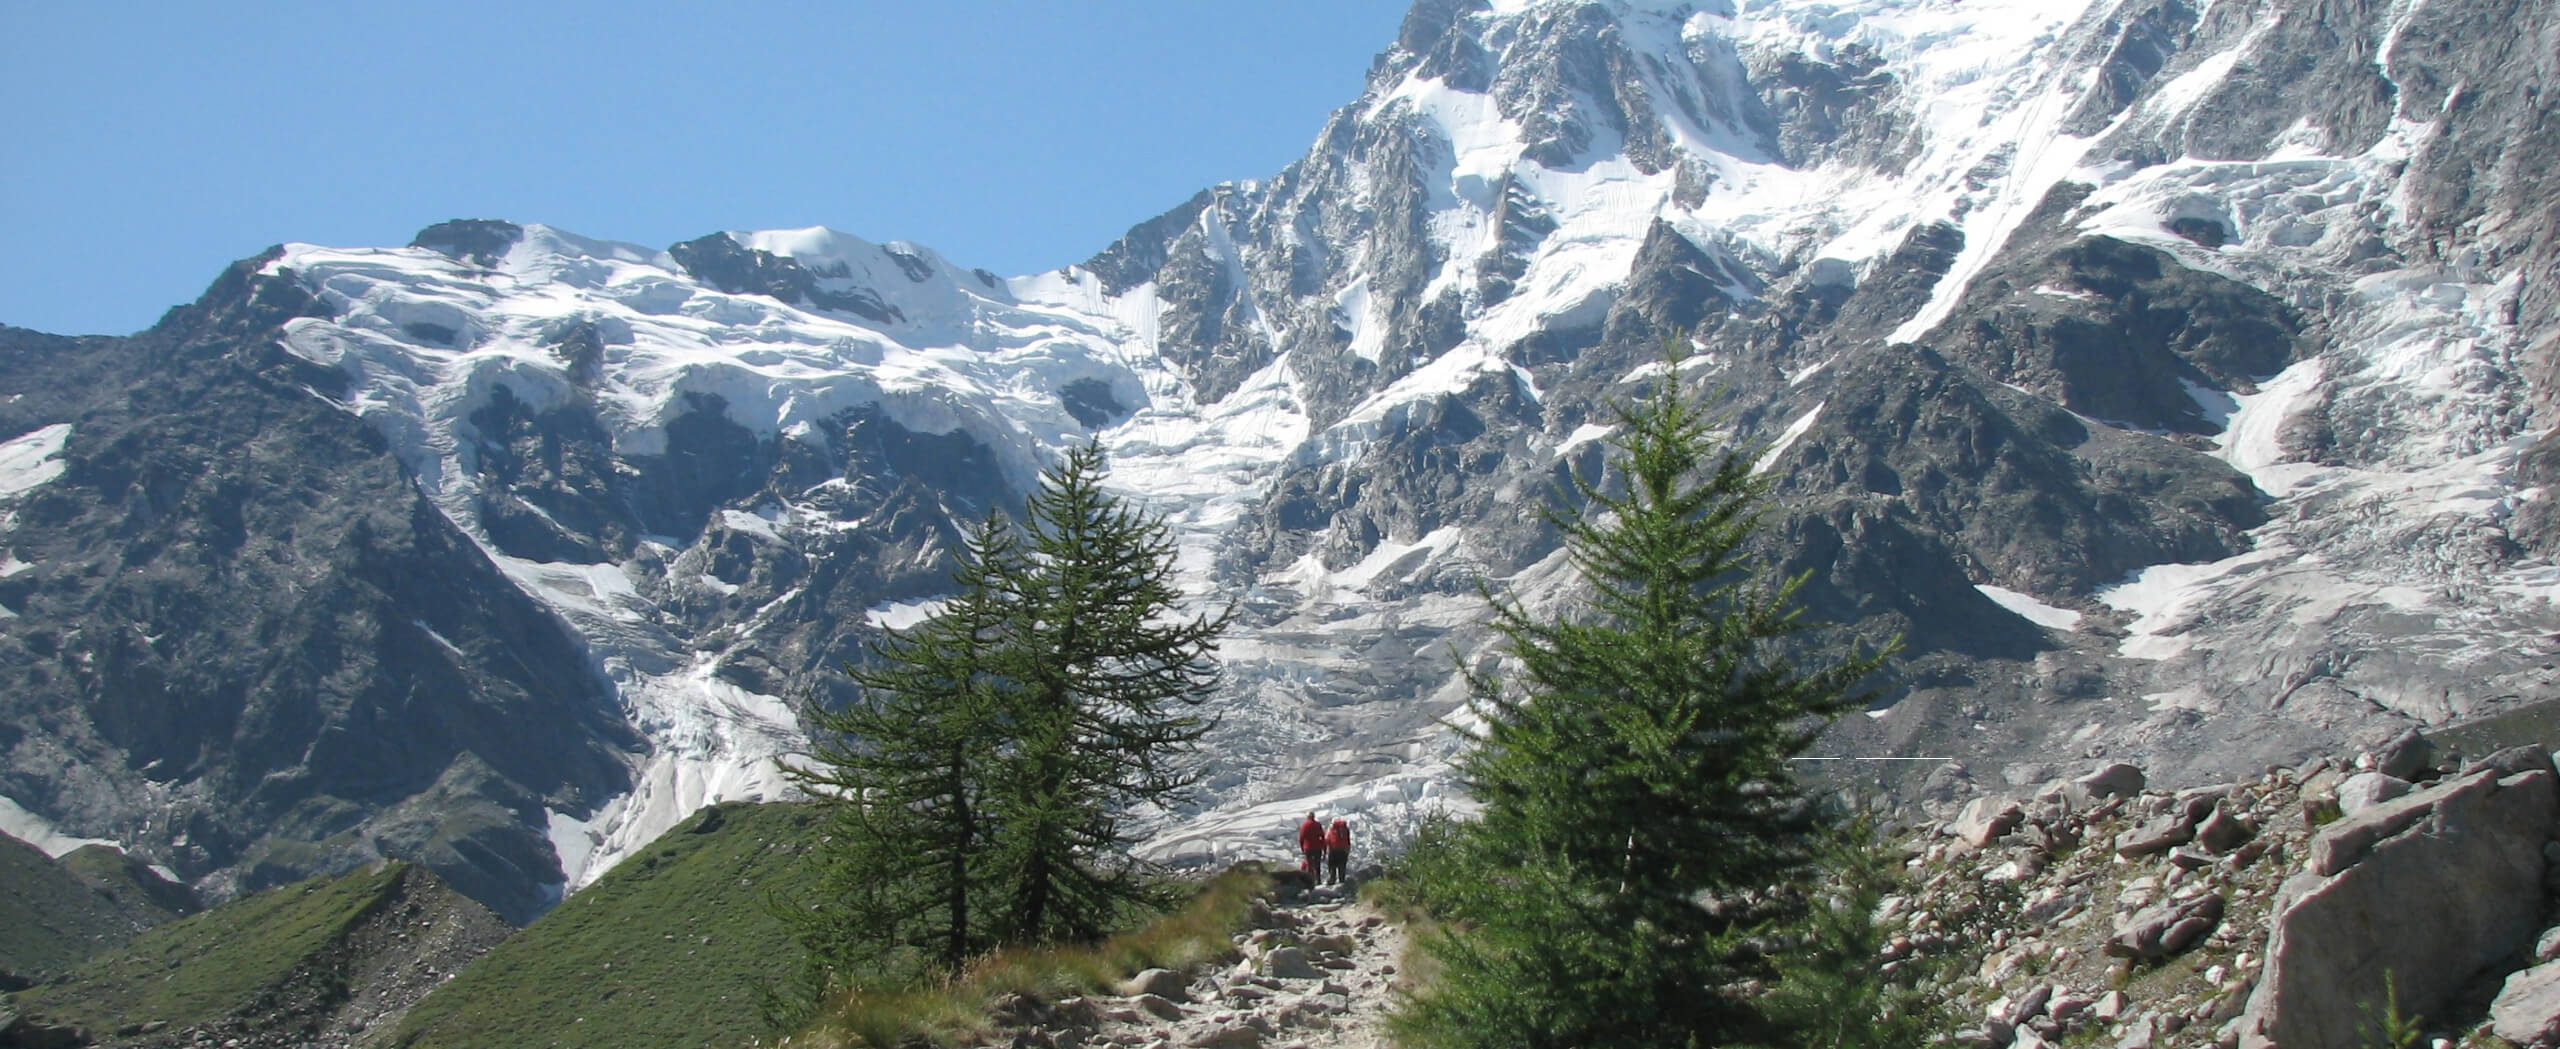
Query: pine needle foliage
[[1829, 991], [982, 784], [907, 768], [1633, 767], [1105, 699]]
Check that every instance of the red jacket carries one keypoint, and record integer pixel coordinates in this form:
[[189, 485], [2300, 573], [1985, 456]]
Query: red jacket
[[1310, 835], [1340, 839]]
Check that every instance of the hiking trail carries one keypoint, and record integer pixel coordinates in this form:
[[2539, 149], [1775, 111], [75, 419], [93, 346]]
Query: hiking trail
[[1317, 971]]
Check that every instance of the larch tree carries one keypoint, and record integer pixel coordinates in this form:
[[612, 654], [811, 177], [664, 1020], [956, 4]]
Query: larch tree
[[1633, 766], [984, 781], [907, 770], [1107, 703]]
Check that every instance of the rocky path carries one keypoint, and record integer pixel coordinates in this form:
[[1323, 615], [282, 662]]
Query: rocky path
[[1316, 972]]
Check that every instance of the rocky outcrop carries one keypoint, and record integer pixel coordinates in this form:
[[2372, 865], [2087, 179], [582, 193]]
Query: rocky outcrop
[[2274, 922], [2419, 894]]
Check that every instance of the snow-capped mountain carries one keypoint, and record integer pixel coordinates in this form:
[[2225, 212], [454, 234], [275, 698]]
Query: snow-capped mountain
[[2167, 374]]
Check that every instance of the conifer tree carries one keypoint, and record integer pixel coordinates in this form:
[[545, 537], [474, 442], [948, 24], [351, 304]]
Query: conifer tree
[[909, 770], [1633, 767], [1106, 705], [984, 780], [1829, 990]]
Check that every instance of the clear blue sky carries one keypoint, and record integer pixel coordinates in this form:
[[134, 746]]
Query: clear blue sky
[[143, 146]]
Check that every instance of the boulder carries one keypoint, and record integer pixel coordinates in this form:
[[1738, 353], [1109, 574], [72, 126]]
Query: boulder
[[1235, 1037], [1290, 963], [2198, 802], [2427, 890], [2116, 780], [2190, 858], [2527, 1011], [1986, 820], [2032, 1004], [1163, 983], [2365, 790], [2221, 831], [1159, 1006], [2408, 756], [2165, 930], [2161, 834]]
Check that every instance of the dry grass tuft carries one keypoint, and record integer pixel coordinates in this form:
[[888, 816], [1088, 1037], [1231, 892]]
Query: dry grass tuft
[[949, 1013]]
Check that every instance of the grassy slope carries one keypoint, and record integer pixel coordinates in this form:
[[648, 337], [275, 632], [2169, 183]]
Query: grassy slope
[[131, 884], [200, 968], [53, 914], [669, 949], [942, 1015]]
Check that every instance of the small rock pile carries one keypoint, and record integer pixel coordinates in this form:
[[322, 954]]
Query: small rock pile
[[2293, 909], [1314, 973]]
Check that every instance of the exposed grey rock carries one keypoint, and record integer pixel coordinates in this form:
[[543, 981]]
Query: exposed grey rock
[[2115, 779], [1163, 983], [479, 241], [2166, 930], [2527, 1010], [720, 261], [2032, 1003], [2222, 831], [2159, 834], [1289, 963], [2406, 756], [1986, 820], [1237, 1036], [2530, 757], [2430, 888], [2364, 790]]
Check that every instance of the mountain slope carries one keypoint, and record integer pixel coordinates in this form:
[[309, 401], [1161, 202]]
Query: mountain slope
[[670, 948], [53, 914], [316, 962], [2173, 377]]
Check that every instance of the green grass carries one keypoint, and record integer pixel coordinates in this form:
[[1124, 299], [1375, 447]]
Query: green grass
[[204, 967], [52, 917], [131, 885], [947, 1014], [671, 948]]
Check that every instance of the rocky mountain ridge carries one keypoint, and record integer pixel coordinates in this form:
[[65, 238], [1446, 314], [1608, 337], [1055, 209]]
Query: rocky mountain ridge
[[2300, 907], [2168, 375]]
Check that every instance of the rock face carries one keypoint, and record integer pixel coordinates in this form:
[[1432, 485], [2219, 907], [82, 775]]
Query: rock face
[[2426, 890], [2165, 340]]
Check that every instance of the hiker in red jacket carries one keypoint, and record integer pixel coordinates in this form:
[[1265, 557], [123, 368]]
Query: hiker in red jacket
[[1311, 846], [1337, 847]]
